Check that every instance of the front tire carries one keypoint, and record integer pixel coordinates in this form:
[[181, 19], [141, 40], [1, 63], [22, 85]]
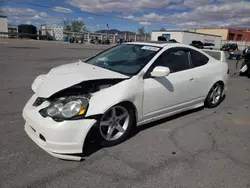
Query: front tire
[[116, 125], [214, 96]]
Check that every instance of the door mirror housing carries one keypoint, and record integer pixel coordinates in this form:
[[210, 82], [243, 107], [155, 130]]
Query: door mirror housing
[[160, 71]]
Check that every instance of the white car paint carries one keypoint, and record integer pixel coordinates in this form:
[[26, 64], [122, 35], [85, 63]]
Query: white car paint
[[70, 74], [153, 98]]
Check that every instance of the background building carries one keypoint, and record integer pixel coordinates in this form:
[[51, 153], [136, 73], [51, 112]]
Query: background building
[[186, 37], [228, 34], [56, 33], [13, 31], [27, 31], [3, 26]]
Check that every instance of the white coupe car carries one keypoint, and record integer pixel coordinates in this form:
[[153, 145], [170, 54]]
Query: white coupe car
[[127, 85]]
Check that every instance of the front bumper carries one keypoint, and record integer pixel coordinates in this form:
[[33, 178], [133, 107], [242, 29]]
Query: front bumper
[[57, 138]]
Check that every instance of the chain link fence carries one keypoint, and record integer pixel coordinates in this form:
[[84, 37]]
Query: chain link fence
[[50, 34], [241, 44]]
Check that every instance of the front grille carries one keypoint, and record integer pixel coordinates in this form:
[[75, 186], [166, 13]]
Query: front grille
[[39, 101]]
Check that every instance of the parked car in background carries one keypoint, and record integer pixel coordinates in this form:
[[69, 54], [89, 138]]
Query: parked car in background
[[234, 52], [227, 47], [124, 86], [209, 46], [197, 44]]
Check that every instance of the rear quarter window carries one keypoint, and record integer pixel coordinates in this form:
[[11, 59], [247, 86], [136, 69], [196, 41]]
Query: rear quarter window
[[198, 59]]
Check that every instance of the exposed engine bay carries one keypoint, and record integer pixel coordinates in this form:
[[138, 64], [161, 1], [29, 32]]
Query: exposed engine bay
[[86, 89]]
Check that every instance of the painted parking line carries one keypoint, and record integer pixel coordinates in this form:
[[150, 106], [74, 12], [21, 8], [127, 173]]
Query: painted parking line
[[241, 122]]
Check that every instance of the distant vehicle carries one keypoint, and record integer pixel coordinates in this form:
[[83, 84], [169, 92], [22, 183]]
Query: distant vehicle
[[234, 52], [162, 38], [119, 41], [227, 47], [245, 66], [197, 44], [95, 40], [107, 41], [208, 46], [172, 40], [76, 39], [124, 86]]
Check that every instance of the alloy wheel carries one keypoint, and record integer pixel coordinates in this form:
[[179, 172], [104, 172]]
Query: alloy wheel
[[215, 94], [114, 123]]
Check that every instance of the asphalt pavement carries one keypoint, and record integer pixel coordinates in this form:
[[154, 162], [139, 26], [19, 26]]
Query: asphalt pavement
[[202, 148]]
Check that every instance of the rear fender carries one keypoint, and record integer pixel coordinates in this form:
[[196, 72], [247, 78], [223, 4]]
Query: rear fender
[[216, 79]]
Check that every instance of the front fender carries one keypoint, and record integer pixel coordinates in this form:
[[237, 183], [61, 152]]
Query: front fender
[[130, 90]]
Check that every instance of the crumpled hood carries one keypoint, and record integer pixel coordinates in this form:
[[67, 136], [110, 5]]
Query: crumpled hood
[[64, 76]]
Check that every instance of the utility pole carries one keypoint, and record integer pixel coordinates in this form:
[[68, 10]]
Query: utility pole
[[234, 19]]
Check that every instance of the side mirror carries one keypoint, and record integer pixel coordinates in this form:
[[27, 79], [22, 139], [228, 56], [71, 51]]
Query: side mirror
[[160, 71]]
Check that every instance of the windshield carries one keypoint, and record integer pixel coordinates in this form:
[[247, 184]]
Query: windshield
[[126, 59]]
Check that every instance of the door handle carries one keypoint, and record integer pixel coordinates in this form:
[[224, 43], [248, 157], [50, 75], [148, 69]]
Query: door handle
[[191, 79]]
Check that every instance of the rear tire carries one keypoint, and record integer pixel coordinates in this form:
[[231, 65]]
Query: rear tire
[[214, 96], [116, 125]]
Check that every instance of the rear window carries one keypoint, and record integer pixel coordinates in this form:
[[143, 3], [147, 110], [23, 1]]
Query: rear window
[[214, 54]]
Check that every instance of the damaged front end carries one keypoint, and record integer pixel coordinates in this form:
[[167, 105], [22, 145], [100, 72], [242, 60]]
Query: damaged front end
[[72, 103], [59, 124]]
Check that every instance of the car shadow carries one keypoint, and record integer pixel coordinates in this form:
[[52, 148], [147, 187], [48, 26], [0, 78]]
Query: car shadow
[[164, 120], [92, 143], [166, 83]]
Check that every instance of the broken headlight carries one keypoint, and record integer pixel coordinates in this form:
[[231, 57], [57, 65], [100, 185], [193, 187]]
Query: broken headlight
[[66, 108]]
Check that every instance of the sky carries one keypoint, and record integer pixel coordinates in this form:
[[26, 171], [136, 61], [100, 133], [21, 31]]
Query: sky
[[129, 15]]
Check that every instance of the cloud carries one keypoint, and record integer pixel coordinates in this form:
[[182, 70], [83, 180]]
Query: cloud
[[145, 23], [196, 3], [62, 9], [140, 5], [188, 14], [23, 12], [177, 7], [27, 15], [146, 19], [119, 5], [234, 14]]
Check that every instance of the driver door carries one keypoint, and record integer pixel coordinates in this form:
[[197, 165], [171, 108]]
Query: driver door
[[164, 95]]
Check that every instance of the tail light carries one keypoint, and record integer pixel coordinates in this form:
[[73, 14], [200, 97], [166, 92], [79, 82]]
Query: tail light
[[227, 70]]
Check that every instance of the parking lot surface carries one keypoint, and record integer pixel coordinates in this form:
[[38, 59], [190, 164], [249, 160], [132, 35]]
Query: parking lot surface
[[202, 148]]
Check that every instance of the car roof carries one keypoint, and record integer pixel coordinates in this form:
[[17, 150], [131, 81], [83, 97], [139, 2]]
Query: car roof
[[161, 44]]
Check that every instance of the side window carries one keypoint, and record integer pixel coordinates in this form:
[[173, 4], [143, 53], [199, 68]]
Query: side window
[[175, 59], [198, 59]]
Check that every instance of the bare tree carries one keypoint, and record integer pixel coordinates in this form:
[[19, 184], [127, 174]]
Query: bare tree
[[67, 26], [141, 31], [74, 26]]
